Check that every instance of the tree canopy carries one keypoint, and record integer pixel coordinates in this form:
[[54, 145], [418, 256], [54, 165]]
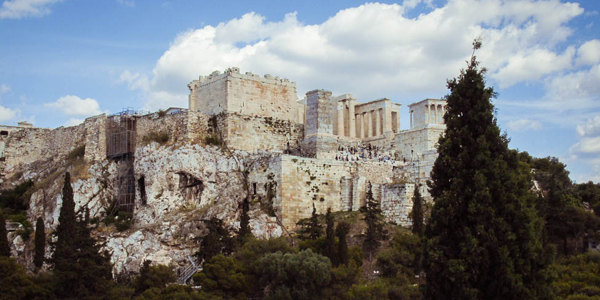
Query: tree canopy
[[484, 238]]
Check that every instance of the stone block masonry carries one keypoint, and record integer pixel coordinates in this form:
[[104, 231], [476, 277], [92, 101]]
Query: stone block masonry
[[245, 94]]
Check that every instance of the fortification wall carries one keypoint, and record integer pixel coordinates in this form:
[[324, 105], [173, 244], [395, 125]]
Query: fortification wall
[[396, 202], [268, 96], [305, 181], [250, 133], [28, 145], [174, 125], [245, 94], [209, 94], [416, 142]]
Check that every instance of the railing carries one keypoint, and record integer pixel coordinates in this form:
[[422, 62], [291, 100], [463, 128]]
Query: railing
[[189, 271]]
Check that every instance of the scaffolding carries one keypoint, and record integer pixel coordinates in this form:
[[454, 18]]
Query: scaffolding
[[120, 147]]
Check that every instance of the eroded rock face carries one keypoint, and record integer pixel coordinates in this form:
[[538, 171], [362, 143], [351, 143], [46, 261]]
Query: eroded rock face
[[182, 186]]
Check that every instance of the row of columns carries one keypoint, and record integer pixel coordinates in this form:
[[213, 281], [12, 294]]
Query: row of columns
[[438, 113], [369, 124], [433, 114]]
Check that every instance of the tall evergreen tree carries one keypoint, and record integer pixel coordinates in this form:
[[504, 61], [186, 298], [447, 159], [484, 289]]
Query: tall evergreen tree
[[330, 237], [40, 243], [4, 246], [218, 240], [245, 231], [341, 231], [80, 269], [484, 237], [311, 229], [417, 212], [374, 220]]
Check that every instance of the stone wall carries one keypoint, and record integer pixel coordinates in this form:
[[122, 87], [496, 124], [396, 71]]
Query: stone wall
[[250, 133], [415, 142], [245, 94], [396, 202]]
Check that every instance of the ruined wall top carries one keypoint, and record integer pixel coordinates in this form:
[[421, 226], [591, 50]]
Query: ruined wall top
[[245, 94]]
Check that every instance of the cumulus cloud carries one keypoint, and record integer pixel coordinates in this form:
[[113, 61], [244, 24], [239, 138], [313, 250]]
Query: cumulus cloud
[[524, 124], [17, 9], [374, 50], [7, 114], [74, 106], [589, 53], [588, 146]]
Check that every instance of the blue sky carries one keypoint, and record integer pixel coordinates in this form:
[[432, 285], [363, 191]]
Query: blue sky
[[64, 60]]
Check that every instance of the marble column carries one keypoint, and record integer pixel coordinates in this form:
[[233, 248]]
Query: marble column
[[360, 125], [387, 118], [351, 119], [377, 115], [369, 125], [340, 119]]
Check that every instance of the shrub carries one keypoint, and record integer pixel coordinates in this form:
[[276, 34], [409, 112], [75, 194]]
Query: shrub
[[77, 152], [212, 139], [159, 137]]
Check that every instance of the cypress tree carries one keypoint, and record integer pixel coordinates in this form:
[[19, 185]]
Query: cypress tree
[[4, 246], [330, 237], [417, 212], [374, 220], [341, 231], [245, 231], [40, 243], [311, 228], [80, 269], [484, 237]]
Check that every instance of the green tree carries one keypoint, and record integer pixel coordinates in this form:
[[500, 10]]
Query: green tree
[[245, 232], [341, 232], [310, 229], [222, 276], [484, 237], [374, 220], [40, 243], [152, 277], [301, 275], [4, 246], [329, 249], [218, 240], [402, 258], [15, 284], [81, 270], [417, 212]]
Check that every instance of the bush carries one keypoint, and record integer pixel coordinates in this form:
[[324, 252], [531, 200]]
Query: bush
[[213, 139], [159, 137], [77, 152]]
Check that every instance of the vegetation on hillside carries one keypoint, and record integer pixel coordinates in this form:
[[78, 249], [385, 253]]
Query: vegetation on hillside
[[498, 218]]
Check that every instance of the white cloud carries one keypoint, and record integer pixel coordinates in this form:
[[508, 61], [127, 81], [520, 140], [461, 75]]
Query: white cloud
[[73, 122], [74, 106], [591, 128], [524, 124], [135, 81], [17, 9], [589, 53], [7, 114], [532, 66], [587, 148], [574, 90], [373, 50], [128, 3]]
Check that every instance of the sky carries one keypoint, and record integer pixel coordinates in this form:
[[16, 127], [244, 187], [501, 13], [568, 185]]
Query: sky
[[62, 61]]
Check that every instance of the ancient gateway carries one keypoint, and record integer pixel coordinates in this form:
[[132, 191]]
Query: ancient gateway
[[321, 150]]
